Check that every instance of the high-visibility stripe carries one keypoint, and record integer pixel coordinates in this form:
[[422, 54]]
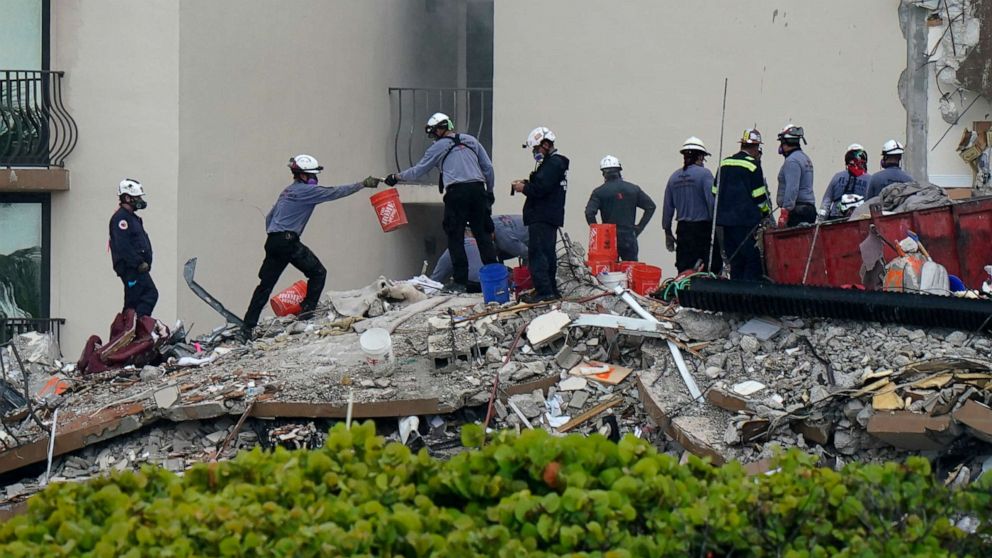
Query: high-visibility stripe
[[758, 192], [739, 163]]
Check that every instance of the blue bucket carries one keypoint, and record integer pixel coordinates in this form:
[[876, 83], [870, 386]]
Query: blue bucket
[[495, 283]]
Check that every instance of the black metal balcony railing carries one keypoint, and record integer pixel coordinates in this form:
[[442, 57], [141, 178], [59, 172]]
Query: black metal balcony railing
[[35, 127], [470, 108]]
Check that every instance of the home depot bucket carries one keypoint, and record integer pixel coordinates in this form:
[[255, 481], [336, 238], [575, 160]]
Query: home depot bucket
[[626, 267], [288, 301], [613, 279], [602, 240], [521, 279], [495, 285], [600, 264], [389, 209], [378, 348], [646, 279]]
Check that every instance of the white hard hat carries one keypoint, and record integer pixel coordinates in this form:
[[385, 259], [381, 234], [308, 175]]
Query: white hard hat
[[305, 163], [610, 162], [693, 144], [537, 135], [437, 119], [130, 187], [791, 132], [892, 147], [854, 147]]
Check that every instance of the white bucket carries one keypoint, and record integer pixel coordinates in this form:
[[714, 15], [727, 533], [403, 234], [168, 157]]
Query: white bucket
[[378, 349], [613, 279]]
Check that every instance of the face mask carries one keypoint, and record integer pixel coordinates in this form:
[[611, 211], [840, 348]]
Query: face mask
[[856, 168], [139, 204], [781, 149], [312, 180], [538, 156]]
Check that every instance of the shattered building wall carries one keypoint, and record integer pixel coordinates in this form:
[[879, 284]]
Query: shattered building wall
[[634, 79], [204, 102]]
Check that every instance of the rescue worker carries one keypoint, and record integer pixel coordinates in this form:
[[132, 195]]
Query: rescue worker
[[466, 180], [284, 226], [741, 207], [544, 211], [795, 179], [131, 249], [510, 237], [617, 201], [891, 173], [689, 198], [853, 181]]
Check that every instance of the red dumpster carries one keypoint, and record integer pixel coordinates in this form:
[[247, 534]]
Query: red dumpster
[[958, 236]]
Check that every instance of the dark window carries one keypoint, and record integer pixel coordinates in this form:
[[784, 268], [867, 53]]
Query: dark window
[[25, 255]]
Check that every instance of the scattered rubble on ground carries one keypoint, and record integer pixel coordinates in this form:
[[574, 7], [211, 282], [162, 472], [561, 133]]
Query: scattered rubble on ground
[[596, 362]]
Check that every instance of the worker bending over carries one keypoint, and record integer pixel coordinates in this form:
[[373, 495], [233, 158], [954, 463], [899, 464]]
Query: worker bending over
[[617, 201], [510, 237]]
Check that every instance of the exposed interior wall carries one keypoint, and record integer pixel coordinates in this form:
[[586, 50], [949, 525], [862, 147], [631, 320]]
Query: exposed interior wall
[[121, 60], [634, 79], [259, 84]]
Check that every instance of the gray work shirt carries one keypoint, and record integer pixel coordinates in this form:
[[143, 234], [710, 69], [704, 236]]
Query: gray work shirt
[[511, 235], [295, 205], [884, 177], [443, 270], [467, 162], [617, 201], [795, 181], [688, 196], [843, 183]]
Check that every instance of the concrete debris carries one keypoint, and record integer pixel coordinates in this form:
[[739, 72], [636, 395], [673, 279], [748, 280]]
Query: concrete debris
[[720, 386]]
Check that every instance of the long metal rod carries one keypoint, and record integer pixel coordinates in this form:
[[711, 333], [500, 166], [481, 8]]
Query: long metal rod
[[719, 161], [812, 246]]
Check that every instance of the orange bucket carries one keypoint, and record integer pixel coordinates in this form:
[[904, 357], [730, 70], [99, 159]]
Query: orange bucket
[[288, 301], [389, 209], [646, 278], [600, 264], [627, 267], [602, 241]]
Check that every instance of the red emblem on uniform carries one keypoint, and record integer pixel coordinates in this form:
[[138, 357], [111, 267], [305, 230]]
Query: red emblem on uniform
[[619, 195], [122, 225]]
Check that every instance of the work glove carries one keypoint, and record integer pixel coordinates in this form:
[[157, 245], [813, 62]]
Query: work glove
[[370, 182], [391, 180], [143, 267], [491, 199], [669, 242]]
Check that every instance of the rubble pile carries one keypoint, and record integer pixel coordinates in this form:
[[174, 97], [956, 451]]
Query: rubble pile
[[600, 361]]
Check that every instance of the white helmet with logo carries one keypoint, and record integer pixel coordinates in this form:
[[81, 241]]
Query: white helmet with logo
[[130, 187], [892, 147], [792, 134], [439, 119], [305, 163], [694, 144], [610, 162], [537, 135]]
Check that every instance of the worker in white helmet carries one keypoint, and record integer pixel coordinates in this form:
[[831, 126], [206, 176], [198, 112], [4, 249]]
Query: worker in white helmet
[[795, 179], [466, 179], [284, 226], [617, 202], [131, 250], [544, 211], [891, 173], [689, 199]]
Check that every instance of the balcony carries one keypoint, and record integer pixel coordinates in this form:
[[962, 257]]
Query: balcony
[[36, 131], [470, 108]]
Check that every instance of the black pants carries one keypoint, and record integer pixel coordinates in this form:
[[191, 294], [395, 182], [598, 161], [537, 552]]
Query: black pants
[[140, 293], [693, 245], [746, 265], [801, 213], [282, 249], [627, 245], [466, 203], [542, 258]]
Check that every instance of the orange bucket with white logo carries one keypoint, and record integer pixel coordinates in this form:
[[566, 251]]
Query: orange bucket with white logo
[[288, 301], [389, 209]]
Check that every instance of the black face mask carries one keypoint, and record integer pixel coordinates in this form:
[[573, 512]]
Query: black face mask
[[139, 204]]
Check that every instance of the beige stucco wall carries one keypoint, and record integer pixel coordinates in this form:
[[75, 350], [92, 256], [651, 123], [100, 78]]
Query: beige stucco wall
[[635, 78], [121, 60], [260, 84]]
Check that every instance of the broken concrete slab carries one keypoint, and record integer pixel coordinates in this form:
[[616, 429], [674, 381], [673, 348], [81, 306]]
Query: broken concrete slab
[[701, 326], [166, 397], [547, 327], [762, 329], [726, 399], [977, 418], [911, 431], [572, 383]]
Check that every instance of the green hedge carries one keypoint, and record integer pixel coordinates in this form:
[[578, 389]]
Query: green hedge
[[527, 495]]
